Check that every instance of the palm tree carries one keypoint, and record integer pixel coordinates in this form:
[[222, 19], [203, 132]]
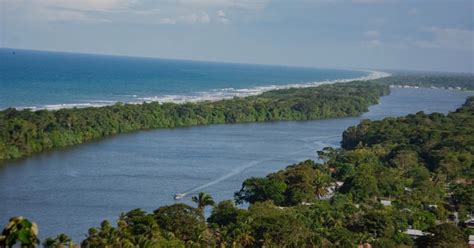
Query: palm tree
[[202, 200], [243, 236], [320, 184], [19, 229], [61, 241]]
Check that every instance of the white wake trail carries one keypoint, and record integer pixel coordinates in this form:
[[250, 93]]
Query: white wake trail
[[237, 171], [320, 143]]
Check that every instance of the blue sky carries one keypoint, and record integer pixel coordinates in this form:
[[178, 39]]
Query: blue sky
[[385, 34]]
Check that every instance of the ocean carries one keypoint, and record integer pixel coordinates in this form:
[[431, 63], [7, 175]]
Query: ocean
[[52, 80]]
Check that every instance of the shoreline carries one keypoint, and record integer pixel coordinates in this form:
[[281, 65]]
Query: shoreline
[[78, 232], [202, 96], [301, 104]]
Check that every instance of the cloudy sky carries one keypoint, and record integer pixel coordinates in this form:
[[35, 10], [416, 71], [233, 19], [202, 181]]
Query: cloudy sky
[[395, 34]]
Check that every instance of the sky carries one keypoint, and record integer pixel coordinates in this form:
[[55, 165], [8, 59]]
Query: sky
[[433, 35]]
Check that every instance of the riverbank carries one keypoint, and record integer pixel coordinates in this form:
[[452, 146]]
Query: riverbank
[[26, 132], [99, 180]]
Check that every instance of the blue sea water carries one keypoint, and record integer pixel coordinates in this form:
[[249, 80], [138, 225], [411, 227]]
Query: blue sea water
[[39, 79]]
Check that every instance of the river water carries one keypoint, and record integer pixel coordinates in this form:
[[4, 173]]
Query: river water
[[72, 189]]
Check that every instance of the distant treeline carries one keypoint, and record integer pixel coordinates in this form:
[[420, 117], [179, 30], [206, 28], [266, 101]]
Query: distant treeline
[[445, 143], [464, 81], [24, 132], [394, 178]]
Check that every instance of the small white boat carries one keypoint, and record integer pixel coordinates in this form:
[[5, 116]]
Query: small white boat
[[179, 196]]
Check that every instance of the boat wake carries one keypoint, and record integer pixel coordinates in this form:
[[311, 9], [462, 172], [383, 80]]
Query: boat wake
[[311, 144]]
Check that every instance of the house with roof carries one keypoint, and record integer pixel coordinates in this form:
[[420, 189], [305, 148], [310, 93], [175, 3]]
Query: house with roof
[[415, 233], [469, 223]]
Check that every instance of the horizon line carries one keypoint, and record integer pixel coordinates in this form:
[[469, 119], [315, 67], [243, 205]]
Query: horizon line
[[393, 70]]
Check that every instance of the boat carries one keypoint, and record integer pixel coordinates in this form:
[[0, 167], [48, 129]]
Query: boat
[[179, 196]]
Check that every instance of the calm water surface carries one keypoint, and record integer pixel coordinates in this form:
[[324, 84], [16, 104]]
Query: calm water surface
[[73, 189]]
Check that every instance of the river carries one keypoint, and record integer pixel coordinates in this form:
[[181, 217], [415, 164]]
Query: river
[[72, 189]]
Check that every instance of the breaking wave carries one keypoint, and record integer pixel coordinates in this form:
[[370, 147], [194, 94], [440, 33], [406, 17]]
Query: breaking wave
[[211, 95]]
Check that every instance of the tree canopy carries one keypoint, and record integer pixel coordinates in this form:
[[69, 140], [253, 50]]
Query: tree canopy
[[23, 132]]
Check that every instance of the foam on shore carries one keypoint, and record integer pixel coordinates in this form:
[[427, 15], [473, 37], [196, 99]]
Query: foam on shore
[[229, 93], [211, 95]]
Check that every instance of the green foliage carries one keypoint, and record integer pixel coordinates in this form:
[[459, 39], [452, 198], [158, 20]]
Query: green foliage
[[306, 182], [443, 236], [25, 132], [186, 223], [374, 222], [225, 213], [443, 144], [60, 241], [134, 229], [464, 196], [202, 200], [19, 230], [298, 183], [463, 81], [363, 184], [277, 227], [261, 189]]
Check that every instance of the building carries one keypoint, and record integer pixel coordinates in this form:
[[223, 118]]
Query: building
[[415, 233], [469, 223], [432, 206]]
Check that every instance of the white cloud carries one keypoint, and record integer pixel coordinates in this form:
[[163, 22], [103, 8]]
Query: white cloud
[[221, 13], [375, 43], [372, 33], [367, 1], [68, 10], [413, 11], [222, 17], [204, 18], [90, 5], [134, 11], [71, 15], [154, 11], [448, 38], [424, 44], [242, 4], [167, 21], [373, 37], [200, 18]]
